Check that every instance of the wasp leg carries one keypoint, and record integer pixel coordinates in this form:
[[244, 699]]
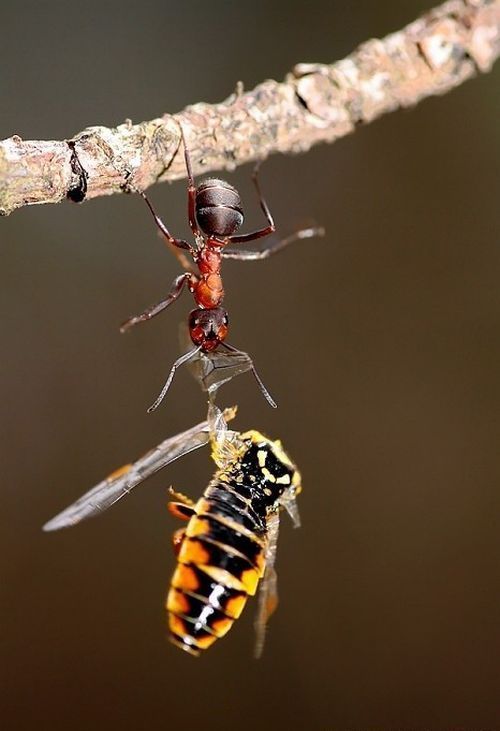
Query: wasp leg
[[180, 510], [177, 539], [154, 310], [180, 497], [275, 246], [268, 592], [181, 507]]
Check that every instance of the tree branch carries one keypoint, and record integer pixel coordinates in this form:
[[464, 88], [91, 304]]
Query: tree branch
[[315, 103]]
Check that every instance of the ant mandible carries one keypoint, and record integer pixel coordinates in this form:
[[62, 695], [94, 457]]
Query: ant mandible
[[215, 213]]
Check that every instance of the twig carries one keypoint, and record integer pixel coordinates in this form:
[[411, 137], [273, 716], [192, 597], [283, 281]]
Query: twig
[[315, 103]]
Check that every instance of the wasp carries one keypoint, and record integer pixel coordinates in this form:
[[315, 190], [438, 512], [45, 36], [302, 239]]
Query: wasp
[[215, 213], [228, 547]]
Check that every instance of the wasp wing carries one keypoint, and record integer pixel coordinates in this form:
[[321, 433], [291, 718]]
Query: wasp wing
[[122, 481], [268, 591]]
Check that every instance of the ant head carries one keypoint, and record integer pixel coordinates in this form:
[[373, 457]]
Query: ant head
[[218, 208], [208, 328]]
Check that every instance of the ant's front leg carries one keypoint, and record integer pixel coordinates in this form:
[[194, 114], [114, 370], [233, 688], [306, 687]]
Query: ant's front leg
[[275, 246], [154, 310]]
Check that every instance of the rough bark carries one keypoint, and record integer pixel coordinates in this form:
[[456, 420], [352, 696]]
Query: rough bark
[[315, 103]]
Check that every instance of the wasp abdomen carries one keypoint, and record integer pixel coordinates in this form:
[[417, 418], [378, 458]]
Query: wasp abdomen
[[229, 498], [227, 542], [220, 563], [213, 530]]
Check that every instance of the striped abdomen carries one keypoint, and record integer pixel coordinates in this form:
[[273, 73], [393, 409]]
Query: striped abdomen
[[220, 562]]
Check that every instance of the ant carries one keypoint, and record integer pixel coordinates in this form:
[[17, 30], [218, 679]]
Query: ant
[[215, 213]]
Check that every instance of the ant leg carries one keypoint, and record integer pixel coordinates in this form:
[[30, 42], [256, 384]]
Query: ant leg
[[263, 389], [172, 243], [154, 310], [183, 359], [273, 248], [179, 243], [270, 228], [191, 189]]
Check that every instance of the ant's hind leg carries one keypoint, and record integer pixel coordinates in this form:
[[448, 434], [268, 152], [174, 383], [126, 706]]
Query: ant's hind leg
[[179, 243], [275, 246], [191, 189], [176, 246], [270, 228], [154, 310]]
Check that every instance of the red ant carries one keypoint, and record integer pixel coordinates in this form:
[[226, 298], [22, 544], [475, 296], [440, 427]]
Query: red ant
[[215, 213]]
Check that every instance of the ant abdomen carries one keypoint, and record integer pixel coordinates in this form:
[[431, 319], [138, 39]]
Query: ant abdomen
[[218, 208]]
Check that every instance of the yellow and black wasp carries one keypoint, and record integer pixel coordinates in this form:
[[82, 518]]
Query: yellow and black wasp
[[229, 544]]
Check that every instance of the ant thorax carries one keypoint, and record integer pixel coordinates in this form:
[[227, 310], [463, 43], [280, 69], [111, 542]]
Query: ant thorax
[[209, 258]]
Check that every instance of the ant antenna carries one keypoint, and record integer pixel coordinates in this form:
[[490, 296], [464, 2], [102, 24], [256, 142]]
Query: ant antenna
[[263, 389], [180, 361]]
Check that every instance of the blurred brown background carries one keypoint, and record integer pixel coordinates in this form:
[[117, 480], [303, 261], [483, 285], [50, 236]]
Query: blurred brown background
[[381, 344]]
